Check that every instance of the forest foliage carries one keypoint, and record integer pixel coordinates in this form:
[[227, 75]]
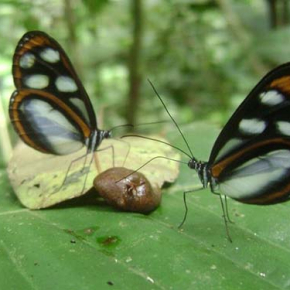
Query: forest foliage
[[203, 56]]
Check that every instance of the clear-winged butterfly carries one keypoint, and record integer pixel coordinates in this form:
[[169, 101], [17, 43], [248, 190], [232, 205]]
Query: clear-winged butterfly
[[250, 159], [50, 109]]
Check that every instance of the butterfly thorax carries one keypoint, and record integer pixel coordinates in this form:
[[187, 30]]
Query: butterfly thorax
[[202, 170], [96, 138]]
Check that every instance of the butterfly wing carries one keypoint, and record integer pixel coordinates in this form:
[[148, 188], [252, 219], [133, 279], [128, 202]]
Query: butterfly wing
[[250, 160], [50, 109], [46, 123]]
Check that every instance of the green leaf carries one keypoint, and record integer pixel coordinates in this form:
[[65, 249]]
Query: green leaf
[[80, 245]]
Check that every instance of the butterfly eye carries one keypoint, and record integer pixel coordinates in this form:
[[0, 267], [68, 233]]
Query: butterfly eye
[[107, 134]]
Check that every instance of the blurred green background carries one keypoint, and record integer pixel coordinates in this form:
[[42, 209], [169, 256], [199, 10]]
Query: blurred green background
[[203, 56]]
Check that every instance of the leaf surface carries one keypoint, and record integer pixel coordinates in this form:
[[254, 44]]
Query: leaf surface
[[42, 180], [80, 245]]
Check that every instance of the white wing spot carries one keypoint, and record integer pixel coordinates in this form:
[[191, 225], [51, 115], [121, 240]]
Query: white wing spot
[[27, 60], [66, 84], [252, 126], [271, 98], [50, 55], [283, 127], [36, 81]]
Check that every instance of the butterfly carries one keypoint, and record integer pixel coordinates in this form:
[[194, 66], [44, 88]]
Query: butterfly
[[50, 109], [250, 159]]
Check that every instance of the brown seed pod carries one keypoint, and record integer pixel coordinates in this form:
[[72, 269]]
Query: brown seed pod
[[131, 193]]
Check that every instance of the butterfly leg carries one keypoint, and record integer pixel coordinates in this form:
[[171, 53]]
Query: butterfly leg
[[69, 168], [227, 210], [106, 148], [128, 151], [67, 172], [185, 205], [225, 219], [186, 209], [85, 161], [90, 163], [86, 177]]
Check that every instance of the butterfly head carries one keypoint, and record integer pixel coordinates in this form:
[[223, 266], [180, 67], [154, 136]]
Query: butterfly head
[[106, 134], [201, 168]]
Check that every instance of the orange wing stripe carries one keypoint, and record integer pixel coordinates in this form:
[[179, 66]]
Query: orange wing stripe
[[218, 168], [25, 93], [282, 83], [269, 198], [21, 50], [22, 133]]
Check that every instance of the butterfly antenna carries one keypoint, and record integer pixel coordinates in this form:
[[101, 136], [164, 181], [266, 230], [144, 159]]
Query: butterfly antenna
[[128, 151], [156, 157], [151, 123], [176, 125], [157, 140], [127, 154], [123, 125], [140, 124]]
